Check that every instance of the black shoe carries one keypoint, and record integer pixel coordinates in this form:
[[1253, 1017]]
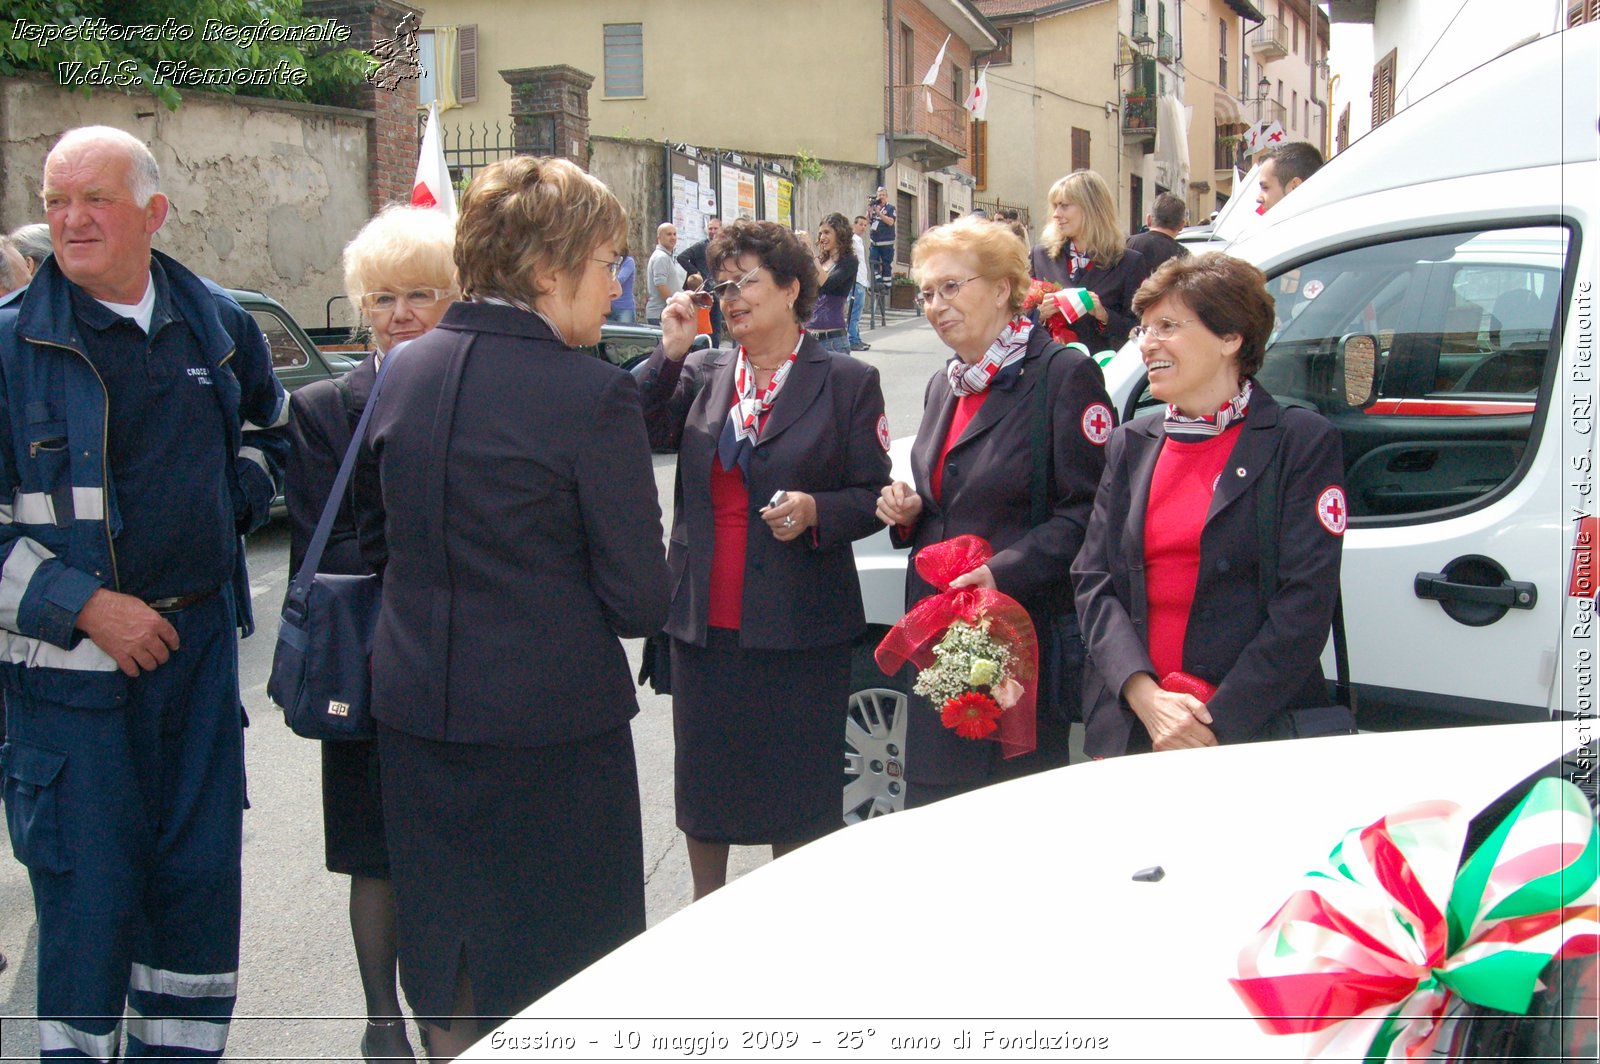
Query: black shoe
[[859, 346], [386, 1041]]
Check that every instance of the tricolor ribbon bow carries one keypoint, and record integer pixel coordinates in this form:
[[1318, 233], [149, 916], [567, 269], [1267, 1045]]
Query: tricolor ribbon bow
[[913, 638], [1366, 958]]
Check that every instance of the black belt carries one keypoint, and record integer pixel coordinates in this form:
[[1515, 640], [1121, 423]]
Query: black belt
[[174, 603], [826, 334]]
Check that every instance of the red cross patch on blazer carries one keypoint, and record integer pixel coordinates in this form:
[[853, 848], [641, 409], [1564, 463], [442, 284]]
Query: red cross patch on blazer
[[1331, 510], [883, 431], [1098, 423]]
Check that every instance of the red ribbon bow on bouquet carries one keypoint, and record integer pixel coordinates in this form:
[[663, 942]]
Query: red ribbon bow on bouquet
[[913, 638], [1060, 325]]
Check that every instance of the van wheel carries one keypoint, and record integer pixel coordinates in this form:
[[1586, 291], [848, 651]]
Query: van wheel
[[874, 737]]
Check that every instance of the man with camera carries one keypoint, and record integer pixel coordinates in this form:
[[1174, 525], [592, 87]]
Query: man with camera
[[881, 212]]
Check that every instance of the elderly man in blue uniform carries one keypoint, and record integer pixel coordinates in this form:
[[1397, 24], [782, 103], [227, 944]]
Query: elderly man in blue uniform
[[141, 434]]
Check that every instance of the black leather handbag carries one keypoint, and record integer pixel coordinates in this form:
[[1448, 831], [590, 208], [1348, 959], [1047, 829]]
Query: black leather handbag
[[321, 667]]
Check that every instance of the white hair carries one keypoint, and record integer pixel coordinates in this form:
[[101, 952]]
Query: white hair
[[144, 176]]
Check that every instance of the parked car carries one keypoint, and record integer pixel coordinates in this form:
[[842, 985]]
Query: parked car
[[1114, 895], [1435, 303]]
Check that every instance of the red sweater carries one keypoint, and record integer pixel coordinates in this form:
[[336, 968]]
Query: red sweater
[[1181, 487], [966, 409]]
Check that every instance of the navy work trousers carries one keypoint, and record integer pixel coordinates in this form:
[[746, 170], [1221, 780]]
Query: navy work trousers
[[129, 819]]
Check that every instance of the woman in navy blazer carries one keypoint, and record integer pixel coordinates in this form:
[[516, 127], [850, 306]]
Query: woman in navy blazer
[[1084, 247], [782, 448], [1169, 580], [510, 505], [975, 465]]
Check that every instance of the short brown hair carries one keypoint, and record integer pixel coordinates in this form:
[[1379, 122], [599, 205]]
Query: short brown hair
[[1000, 255], [779, 250], [1227, 294], [526, 222]]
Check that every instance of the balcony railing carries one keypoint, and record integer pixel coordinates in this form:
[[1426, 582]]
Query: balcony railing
[[946, 123], [1138, 114], [1269, 40], [1166, 47], [1267, 111], [1141, 28]]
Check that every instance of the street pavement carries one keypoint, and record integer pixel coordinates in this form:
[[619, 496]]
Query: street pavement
[[299, 994]]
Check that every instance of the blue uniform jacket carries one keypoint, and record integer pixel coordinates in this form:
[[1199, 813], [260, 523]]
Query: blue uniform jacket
[[58, 514]]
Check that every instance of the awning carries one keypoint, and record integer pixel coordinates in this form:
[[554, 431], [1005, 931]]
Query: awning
[[1229, 113], [1172, 144]]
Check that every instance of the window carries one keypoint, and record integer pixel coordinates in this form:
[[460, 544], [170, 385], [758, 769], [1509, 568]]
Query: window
[[980, 154], [1080, 149], [1294, 109], [1222, 54], [958, 83], [448, 56], [1383, 90], [624, 59], [1297, 35], [1581, 11], [1245, 91], [908, 56], [1341, 136], [1463, 323], [1308, 116], [1280, 92]]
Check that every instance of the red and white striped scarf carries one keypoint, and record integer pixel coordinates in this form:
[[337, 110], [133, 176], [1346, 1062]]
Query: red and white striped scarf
[[750, 405], [1008, 347]]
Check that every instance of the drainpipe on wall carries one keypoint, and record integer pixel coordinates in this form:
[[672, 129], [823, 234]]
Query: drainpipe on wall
[[888, 140]]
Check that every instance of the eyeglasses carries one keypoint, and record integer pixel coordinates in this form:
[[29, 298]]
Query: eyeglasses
[[614, 266], [724, 291], [946, 290], [415, 298], [1161, 330]]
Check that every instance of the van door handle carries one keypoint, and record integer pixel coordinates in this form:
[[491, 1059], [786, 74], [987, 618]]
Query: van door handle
[[1508, 594]]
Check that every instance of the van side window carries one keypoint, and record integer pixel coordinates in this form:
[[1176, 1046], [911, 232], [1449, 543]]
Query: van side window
[[1464, 325]]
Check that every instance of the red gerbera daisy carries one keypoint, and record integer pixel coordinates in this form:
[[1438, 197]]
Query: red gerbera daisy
[[972, 716]]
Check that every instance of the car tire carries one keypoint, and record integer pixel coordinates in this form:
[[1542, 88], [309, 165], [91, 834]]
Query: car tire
[[874, 737]]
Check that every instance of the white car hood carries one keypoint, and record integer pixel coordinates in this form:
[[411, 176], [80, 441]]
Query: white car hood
[[1018, 900]]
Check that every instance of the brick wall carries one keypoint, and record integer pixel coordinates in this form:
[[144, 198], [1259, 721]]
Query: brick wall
[[392, 136], [927, 32]]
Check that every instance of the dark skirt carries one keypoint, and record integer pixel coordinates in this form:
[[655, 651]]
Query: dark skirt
[[759, 740], [352, 810], [525, 864]]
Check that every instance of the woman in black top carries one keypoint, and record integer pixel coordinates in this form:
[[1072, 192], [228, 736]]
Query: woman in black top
[[399, 272], [1084, 247]]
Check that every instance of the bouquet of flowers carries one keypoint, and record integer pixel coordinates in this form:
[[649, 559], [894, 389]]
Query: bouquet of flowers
[[969, 679], [975, 649]]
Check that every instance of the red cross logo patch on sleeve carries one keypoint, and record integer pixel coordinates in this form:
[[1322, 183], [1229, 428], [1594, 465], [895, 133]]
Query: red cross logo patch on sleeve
[[883, 431], [1331, 510], [1098, 423]]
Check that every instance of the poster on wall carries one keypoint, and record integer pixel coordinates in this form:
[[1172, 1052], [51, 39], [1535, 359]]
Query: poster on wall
[[769, 198], [786, 202], [708, 190], [685, 196], [738, 193]]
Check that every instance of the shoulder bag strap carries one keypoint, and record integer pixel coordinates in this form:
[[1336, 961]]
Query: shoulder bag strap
[[1267, 540], [300, 587]]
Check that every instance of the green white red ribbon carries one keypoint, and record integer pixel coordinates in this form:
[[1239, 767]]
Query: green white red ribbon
[[1365, 959]]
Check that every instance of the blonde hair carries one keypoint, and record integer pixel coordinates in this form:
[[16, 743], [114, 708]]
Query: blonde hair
[[400, 245], [527, 222], [998, 252], [1100, 236]]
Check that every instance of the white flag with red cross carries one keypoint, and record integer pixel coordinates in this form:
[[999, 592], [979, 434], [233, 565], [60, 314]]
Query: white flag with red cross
[[433, 188], [977, 102]]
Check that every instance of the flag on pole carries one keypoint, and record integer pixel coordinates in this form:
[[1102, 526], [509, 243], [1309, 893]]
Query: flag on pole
[[933, 72], [432, 188], [977, 102]]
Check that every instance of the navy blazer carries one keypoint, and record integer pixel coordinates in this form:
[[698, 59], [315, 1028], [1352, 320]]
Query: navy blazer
[[986, 491], [1259, 669], [508, 498], [826, 436], [1114, 285]]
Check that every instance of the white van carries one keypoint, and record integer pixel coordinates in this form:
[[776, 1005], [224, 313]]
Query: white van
[[1435, 288]]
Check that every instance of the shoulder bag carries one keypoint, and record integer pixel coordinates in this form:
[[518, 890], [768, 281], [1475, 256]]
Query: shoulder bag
[[321, 667]]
